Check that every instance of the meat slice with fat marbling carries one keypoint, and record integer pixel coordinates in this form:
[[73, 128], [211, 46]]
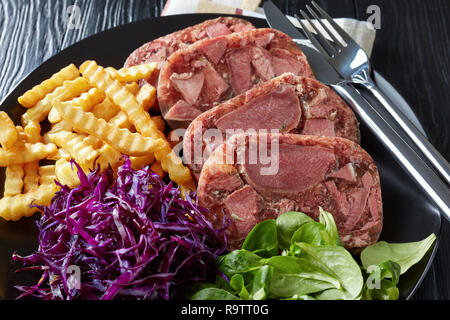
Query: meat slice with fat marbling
[[306, 179], [160, 49], [287, 103], [241, 61]]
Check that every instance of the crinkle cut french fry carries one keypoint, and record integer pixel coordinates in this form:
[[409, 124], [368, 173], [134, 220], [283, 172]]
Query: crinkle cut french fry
[[122, 140], [157, 168], [146, 96], [53, 116], [95, 142], [60, 154], [57, 127], [112, 72], [61, 126], [132, 74], [105, 110], [137, 163], [120, 120], [69, 89], [8, 131], [142, 121], [86, 101], [14, 180], [108, 156], [26, 152], [31, 97], [33, 132], [160, 123], [133, 87], [31, 179], [66, 173], [83, 153], [136, 73], [47, 174], [13, 208]]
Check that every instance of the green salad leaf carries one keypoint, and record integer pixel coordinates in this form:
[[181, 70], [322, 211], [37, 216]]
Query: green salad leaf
[[382, 281], [327, 219], [263, 240], [405, 254], [312, 233], [261, 283], [297, 258], [213, 294], [339, 262], [287, 224], [297, 297], [237, 282], [298, 276], [240, 261]]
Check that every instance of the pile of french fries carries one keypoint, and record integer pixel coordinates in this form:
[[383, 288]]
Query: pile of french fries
[[97, 115]]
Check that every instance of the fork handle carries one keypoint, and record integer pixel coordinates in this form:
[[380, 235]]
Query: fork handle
[[418, 170], [420, 142]]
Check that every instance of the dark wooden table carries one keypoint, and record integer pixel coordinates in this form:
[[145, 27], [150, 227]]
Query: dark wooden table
[[412, 51]]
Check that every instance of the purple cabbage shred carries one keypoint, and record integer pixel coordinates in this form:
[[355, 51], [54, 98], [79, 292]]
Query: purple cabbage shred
[[127, 237]]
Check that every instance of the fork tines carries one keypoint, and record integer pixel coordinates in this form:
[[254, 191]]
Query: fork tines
[[319, 40]]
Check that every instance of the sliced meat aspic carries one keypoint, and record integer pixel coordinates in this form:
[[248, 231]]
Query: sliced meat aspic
[[160, 49], [294, 172], [288, 103], [224, 67]]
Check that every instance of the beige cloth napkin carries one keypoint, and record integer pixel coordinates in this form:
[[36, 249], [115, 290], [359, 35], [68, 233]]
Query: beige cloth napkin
[[361, 31]]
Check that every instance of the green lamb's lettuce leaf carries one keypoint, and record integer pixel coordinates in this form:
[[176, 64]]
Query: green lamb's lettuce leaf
[[237, 282], [338, 262], [304, 268], [327, 219], [378, 286], [303, 297], [213, 294], [313, 264], [240, 261], [261, 283], [313, 233], [262, 240], [286, 285], [298, 276], [405, 254], [287, 224], [318, 233]]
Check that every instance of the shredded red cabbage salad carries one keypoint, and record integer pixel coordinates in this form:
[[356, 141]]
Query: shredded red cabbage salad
[[130, 237]]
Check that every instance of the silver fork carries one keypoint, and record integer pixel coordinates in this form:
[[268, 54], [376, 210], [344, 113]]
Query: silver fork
[[352, 63]]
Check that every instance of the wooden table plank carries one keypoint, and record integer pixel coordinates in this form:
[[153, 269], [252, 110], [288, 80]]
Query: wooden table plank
[[341, 8], [31, 32], [411, 50], [101, 15]]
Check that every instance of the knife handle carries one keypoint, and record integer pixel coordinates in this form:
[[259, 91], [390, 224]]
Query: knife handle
[[418, 170], [401, 123]]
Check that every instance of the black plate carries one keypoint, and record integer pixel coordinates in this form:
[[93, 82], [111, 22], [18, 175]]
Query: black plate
[[408, 214]]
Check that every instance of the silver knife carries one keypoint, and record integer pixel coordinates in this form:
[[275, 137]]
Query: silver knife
[[417, 169]]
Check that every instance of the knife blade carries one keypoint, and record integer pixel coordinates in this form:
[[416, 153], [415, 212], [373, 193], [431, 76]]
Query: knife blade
[[323, 71], [277, 20]]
